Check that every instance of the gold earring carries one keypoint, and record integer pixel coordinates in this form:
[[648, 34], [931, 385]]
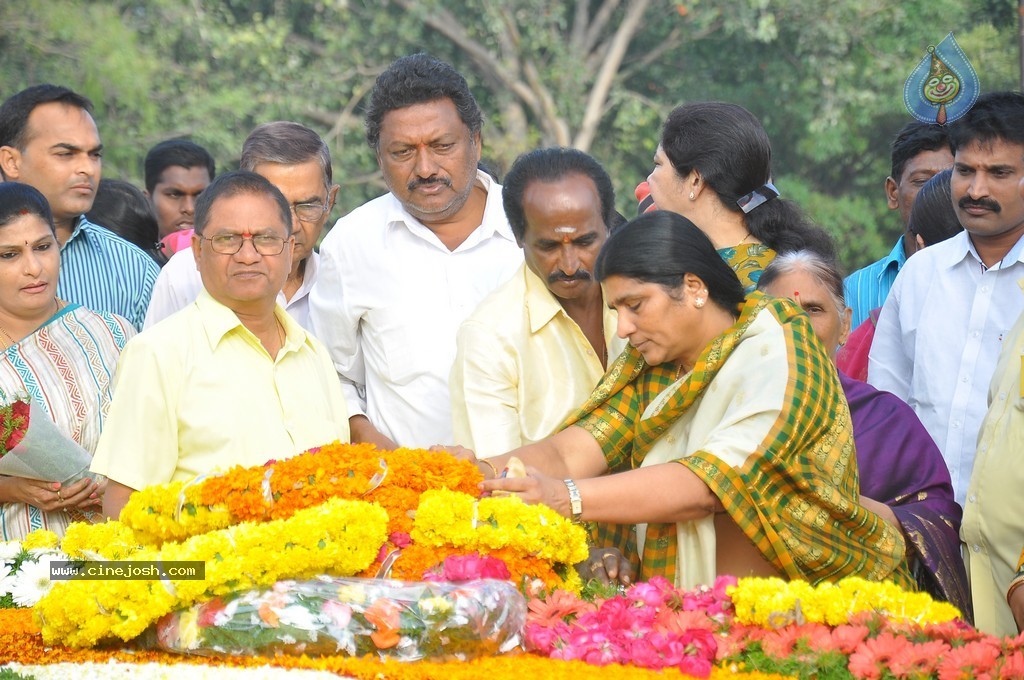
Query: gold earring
[[692, 196]]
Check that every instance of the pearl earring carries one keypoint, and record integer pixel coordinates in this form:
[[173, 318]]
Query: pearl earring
[[692, 196], [698, 302]]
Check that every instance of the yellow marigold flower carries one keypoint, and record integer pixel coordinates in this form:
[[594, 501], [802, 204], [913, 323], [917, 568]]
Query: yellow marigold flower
[[111, 540], [40, 539]]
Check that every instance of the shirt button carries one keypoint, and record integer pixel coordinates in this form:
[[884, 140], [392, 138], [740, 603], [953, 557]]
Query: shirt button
[[975, 334], [956, 423], [1002, 396], [976, 548], [984, 289], [972, 498], [590, 352], [963, 379]]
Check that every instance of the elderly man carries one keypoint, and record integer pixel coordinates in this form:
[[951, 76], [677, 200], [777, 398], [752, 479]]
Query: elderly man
[[919, 152], [951, 306], [176, 172], [298, 162], [401, 273], [536, 347], [49, 140], [231, 379]]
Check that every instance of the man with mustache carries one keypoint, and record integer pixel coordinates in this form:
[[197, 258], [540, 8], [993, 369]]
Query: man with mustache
[[535, 348], [400, 273], [49, 140], [298, 162], [942, 326]]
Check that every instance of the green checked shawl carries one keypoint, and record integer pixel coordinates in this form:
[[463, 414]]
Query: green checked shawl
[[762, 420]]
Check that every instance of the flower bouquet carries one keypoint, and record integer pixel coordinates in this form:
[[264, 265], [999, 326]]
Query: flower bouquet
[[33, 447], [408, 621]]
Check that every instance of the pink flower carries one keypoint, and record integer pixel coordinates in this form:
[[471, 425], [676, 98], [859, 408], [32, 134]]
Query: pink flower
[[874, 656], [918, 660], [543, 639], [400, 539], [339, 614], [468, 568], [781, 643], [646, 594], [555, 607], [848, 638], [1012, 666], [969, 661], [697, 666], [668, 621]]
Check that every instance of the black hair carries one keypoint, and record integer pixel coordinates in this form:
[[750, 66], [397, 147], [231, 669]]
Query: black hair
[[122, 208], [14, 112], [418, 79], [996, 115], [234, 184], [180, 152], [915, 138], [17, 199], [933, 217], [730, 149], [550, 165], [662, 247]]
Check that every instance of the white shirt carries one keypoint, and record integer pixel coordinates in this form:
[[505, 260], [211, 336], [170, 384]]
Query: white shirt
[[938, 338], [179, 284], [388, 302]]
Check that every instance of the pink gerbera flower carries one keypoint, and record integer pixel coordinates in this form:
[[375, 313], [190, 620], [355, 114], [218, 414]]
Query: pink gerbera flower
[[874, 656], [969, 661]]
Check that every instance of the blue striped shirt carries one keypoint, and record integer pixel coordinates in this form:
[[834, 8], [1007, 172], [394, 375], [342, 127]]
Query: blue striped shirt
[[867, 288], [102, 271]]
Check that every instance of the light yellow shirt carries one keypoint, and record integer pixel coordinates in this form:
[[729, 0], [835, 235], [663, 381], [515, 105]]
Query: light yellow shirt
[[522, 365], [993, 525], [198, 392]]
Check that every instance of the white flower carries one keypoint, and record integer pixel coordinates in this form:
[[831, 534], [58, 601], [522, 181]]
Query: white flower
[[7, 584], [9, 550], [32, 582]]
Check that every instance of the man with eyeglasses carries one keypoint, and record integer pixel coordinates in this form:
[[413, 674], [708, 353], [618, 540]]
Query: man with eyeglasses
[[298, 162], [232, 379]]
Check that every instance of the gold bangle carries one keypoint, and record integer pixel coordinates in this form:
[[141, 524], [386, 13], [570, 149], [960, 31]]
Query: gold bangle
[[489, 464]]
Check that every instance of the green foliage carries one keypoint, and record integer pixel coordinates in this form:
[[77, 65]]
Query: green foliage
[[825, 78]]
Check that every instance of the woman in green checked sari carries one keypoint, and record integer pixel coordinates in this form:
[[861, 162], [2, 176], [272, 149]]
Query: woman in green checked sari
[[719, 441]]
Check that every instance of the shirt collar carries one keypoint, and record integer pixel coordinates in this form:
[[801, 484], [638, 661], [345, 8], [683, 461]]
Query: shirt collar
[[79, 230], [542, 306], [218, 320], [961, 247], [308, 278], [897, 257], [494, 221]]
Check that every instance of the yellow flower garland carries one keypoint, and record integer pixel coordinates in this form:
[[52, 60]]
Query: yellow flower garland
[[111, 540], [456, 520], [171, 512], [772, 602], [338, 537], [40, 539]]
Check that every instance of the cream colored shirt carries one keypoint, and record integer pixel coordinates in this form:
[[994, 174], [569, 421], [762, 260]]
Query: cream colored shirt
[[198, 392], [522, 366], [993, 525]]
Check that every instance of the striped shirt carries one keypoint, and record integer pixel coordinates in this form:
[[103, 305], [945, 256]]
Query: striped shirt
[[102, 271], [867, 288]]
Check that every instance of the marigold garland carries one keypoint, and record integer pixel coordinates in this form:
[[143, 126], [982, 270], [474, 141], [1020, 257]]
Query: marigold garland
[[532, 537], [772, 602], [393, 479], [40, 539], [338, 537], [110, 540]]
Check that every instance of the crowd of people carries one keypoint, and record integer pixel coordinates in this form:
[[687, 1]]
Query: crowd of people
[[698, 384]]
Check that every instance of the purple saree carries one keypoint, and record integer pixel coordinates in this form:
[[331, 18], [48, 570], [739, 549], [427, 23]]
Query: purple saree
[[902, 467]]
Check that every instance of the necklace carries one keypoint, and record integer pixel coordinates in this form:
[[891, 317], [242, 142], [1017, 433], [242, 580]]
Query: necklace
[[742, 241], [9, 340]]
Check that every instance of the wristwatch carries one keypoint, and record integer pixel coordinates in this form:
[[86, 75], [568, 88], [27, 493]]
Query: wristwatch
[[575, 501]]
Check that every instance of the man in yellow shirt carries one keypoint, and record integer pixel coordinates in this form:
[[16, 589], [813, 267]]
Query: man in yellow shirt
[[231, 379], [993, 525], [534, 349]]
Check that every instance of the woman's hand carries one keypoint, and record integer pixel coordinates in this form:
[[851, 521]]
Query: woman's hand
[[534, 488], [52, 496], [608, 566]]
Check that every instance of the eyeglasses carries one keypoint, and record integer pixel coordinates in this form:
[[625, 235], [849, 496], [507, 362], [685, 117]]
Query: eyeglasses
[[309, 212], [229, 244]]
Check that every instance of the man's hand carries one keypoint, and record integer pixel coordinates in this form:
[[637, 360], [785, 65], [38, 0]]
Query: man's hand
[[608, 566], [362, 430], [1017, 607]]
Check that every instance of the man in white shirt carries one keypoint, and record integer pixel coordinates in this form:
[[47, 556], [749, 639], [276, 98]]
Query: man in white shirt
[[401, 273], [537, 346], [298, 162], [942, 327]]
